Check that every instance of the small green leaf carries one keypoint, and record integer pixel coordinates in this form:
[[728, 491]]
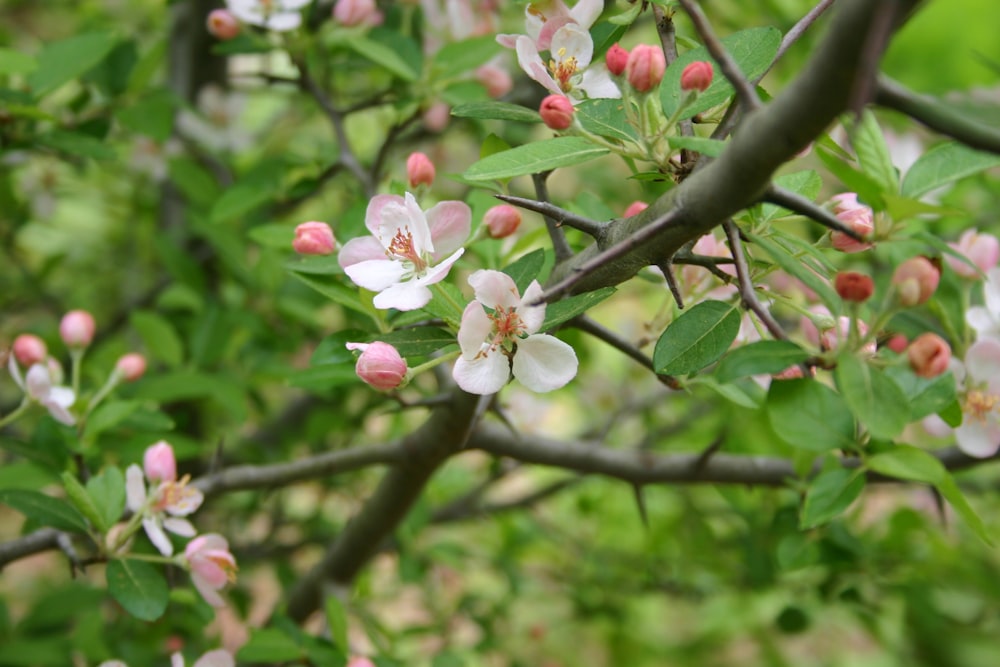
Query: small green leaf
[[323, 377], [944, 164], [333, 348], [949, 489], [796, 268], [909, 463], [82, 501], [457, 58], [159, 335], [868, 189], [809, 415], [697, 338], [873, 153], [448, 308], [703, 145], [877, 401], [628, 16], [76, 143], [108, 415], [193, 180], [65, 60], [240, 199], [418, 341], [15, 62], [316, 265], [276, 236], [335, 290], [44, 509], [496, 111], [806, 183], [269, 645], [765, 356], [925, 396], [525, 269], [386, 56], [605, 118], [534, 158], [566, 309], [138, 587], [829, 495], [107, 491], [336, 620], [151, 115]]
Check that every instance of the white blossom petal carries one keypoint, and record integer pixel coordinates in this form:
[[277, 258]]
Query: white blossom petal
[[484, 375], [572, 41], [475, 328], [544, 363], [495, 289], [978, 438], [373, 214], [532, 316], [135, 488], [982, 361], [597, 83], [15, 372], [531, 63], [208, 593], [436, 274], [585, 12], [38, 382], [450, 223], [409, 295], [154, 531], [360, 249], [376, 274], [216, 658], [981, 320], [181, 527]]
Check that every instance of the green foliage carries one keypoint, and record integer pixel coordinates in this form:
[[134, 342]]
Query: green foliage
[[138, 587], [699, 337], [533, 158]]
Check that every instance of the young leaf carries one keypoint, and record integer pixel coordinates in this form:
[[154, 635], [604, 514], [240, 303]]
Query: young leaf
[[534, 158], [525, 269], [562, 311], [704, 145], [107, 492], [829, 495], [765, 356], [809, 415], [159, 335], [868, 189], [873, 153], [873, 397], [418, 341], [44, 509], [697, 338], [949, 489], [606, 118], [65, 60], [796, 268], [496, 111], [386, 56], [944, 164], [108, 415], [909, 463], [269, 645], [83, 502], [925, 396], [336, 621], [138, 587]]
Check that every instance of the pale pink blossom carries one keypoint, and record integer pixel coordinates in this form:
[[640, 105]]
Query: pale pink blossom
[[278, 15], [212, 566], [77, 328], [502, 221], [568, 70], [979, 395], [360, 661], [983, 250], [404, 254], [543, 19], [437, 117], [314, 238], [645, 67], [635, 208], [216, 658], [420, 170], [357, 13], [495, 343], [41, 385], [159, 463], [167, 500], [495, 79], [915, 281], [215, 124], [223, 24], [985, 319]]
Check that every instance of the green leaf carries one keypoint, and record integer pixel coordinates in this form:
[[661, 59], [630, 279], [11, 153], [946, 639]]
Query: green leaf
[[829, 495], [108, 415], [242, 198], [159, 336], [877, 401], [15, 62], [696, 338], [909, 463], [138, 587], [753, 50], [457, 58], [566, 309], [269, 645], [747, 395], [605, 118], [765, 356], [333, 348], [796, 268], [65, 60], [418, 341], [873, 153], [949, 489], [447, 308], [496, 111], [925, 396], [703, 145], [82, 501], [868, 189], [944, 164], [386, 56], [76, 143], [279, 237], [193, 180], [525, 269], [335, 290], [151, 115], [534, 158], [44, 509], [323, 377], [317, 265], [336, 621], [628, 16], [107, 491], [809, 415]]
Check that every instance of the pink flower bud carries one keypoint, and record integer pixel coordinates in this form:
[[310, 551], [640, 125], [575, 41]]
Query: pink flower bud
[[854, 215], [314, 238], [635, 208], [495, 79], [437, 117], [222, 24], [557, 112], [360, 661], [132, 366], [29, 350], [420, 170], [897, 343], [77, 328], [502, 221], [645, 67], [697, 76], [929, 355], [852, 286], [379, 365], [357, 12], [159, 463], [616, 58], [915, 280], [983, 250]]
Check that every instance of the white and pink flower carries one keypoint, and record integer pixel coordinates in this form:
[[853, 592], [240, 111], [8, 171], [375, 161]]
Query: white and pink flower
[[985, 319], [212, 566], [568, 71], [167, 500], [404, 254], [279, 15], [504, 338], [41, 385], [983, 250], [979, 382]]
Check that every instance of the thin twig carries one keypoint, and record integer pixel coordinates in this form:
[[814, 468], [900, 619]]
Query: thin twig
[[796, 32], [668, 40], [667, 266], [747, 292], [878, 35], [707, 262], [599, 331], [559, 243], [561, 216], [744, 89], [803, 206]]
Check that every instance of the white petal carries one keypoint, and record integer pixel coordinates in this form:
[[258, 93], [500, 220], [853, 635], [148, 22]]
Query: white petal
[[283, 21], [508, 40], [293, 4], [38, 381], [15, 372], [543, 363], [531, 63], [135, 488], [373, 214], [181, 527], [422, 241], [991, 292], [532, 316], [403, 296], [494, 289], [597, 83], [360, 249], [154, 531], [59, 412], [376, 274], [982, 361], [475, 328], [484, 375], [585, 12], [61, 396], [216, 658], [450, 223], [978, 438], [436, 274], [572, 41], [981, 320], [176, 660]]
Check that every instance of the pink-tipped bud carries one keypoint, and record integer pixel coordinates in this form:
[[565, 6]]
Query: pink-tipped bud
[[635, 208], [645, 67], [420, 170], [360, 661], [915, 280], [379, 365], [29, 350], [132, 366], [852, 286], [222, 24], [983, 250], [77, 328], [857, 217], [357, 12], [502, 221], [159, 462], [437, 117], [314, 238], [557, 112], [616, 58], [697, 76], [929, 355], [897, 343], [495, 79]]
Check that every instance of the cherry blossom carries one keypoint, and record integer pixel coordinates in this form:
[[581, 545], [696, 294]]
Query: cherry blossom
[[543, 19], [167, 500], [216, 658], [985, 319], [568, 71], [983, 250], [979, 377], [398, 260], [41, 386], [503, 339], [212, 566], [280, 15]]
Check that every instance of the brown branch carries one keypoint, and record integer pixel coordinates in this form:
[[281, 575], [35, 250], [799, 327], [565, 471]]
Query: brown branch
[[806, 207], [748, 293], [559, 243], [561, 216], [796, 32]]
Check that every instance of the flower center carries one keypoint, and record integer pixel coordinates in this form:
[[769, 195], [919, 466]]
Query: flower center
[[979, 404], [563, 70], [401, 247], [224, 561], [176, 496]]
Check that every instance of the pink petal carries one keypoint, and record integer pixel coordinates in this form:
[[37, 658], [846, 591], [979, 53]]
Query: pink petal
[[543, 363], [217, 658], [359, 250], [373, 214], [180, 527], [410, 295], [484, 375], [495, 289], [531, 63], [38, 382], [207, 592], [450, 223], [475, 329], [982, 361], [978, 438], [375, 274]]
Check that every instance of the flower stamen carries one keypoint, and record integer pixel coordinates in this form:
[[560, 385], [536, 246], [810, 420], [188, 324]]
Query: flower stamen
[[979, 404]]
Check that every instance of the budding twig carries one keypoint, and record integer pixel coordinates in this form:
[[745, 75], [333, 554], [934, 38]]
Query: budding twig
[[799, 204], [668, 40], [747, 292], [796, 32], [559, 243], [561, 216]]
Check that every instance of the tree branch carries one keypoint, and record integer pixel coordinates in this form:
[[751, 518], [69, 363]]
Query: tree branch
[[559, 244], [747, 292], [806, 207], [561, 216]]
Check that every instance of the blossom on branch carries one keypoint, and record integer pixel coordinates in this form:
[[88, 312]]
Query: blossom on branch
[[280, 15], [212, 566], [983, 250], [496, 341], [404, 254], [985, 319], [41, 385], [568, 71], [167, 499], [979, 377]]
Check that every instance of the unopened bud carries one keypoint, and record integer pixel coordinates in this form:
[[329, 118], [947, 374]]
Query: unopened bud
[[635, 208], [159, 462], [360, 661], [915, 280], [420, 170], [222, 24], [616, 58], [132, 366], [495, 79], [852, 286], [379, 365], [557, 112], [437, 117], [645, 67], [77, 328], [29, 350], [857, 217], [357, 12], [897, 343], [929, 355], [697, 76], [314, 238], [502, 221]]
